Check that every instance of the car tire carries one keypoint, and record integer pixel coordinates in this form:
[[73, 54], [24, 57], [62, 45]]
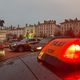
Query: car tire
[[20, 49]]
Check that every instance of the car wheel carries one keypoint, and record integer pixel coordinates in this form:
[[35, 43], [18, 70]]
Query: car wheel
[[20, 49]]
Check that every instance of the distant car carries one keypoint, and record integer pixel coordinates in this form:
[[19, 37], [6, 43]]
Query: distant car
[[23, 45]]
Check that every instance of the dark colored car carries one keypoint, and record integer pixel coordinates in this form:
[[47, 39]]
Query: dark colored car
[[23, 45]]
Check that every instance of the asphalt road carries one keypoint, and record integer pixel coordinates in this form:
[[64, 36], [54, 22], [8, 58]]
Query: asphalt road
[[10, 54], [25, 67]]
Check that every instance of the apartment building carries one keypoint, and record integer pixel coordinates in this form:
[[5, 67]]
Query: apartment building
[[3, 34], [47, 28], [15, 31], [74, 24]]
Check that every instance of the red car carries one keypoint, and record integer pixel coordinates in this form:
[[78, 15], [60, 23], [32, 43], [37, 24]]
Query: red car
[[63, 57]]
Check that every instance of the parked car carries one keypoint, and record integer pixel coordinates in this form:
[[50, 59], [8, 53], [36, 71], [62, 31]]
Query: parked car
[[23, 45]]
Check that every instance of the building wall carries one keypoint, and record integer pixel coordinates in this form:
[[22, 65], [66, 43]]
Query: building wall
[[3, 34], [67, 24], [47, 28], [16, 31]]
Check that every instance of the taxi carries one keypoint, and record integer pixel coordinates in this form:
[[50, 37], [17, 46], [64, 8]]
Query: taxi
[[63, 55]]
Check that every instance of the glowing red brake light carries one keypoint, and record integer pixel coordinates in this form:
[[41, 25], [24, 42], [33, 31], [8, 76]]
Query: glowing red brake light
[[72, 54]]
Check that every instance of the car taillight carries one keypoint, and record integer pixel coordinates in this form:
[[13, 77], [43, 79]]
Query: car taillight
[[72, 54]]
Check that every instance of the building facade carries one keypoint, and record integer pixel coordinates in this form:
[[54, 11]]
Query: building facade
[[47, 28], [3, 34], [73, 24], [15, 31]]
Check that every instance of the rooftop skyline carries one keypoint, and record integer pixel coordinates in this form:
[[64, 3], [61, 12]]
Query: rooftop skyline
[[15, 12]]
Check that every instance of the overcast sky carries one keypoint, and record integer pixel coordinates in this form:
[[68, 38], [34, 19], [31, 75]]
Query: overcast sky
[[31, 11]]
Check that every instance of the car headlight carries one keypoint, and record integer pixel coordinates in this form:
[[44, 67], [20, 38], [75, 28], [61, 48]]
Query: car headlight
[[39, 48]]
